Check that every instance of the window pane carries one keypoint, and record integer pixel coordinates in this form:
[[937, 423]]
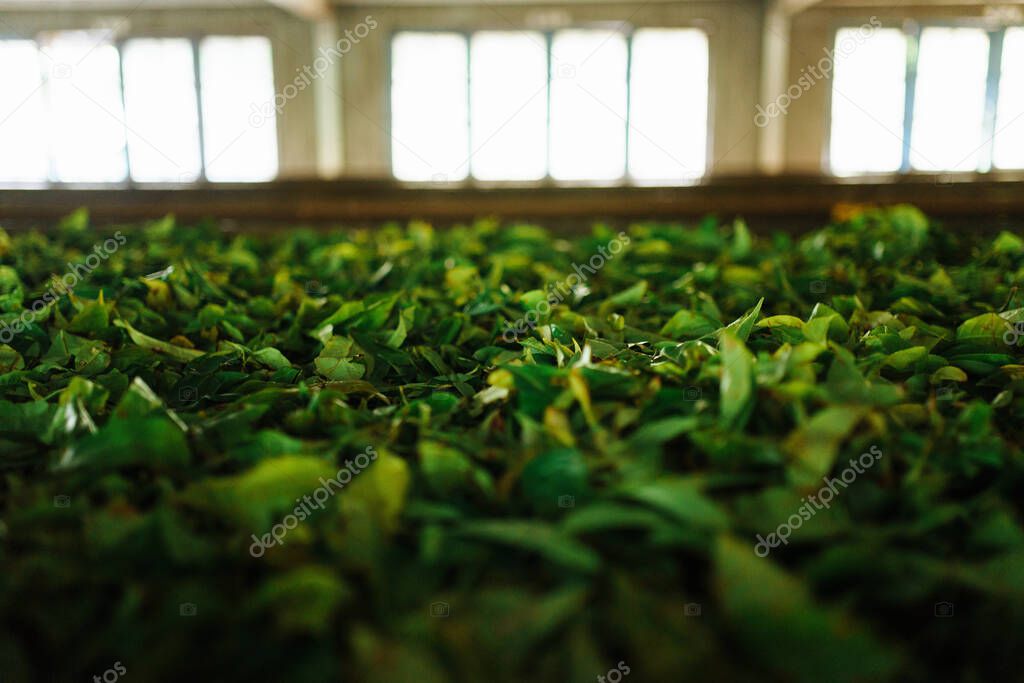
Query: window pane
[[239, 127], [509, 105], [23, 154], [1009, 151], [160, 102], [429, 113], [868, 93], [588, 105], [86, 116], [668, 104], [949, 108]]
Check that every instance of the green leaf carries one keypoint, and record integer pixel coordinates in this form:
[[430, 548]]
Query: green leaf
[[92, 320], [303, 600], [742, 326], [272, 358], [813, 446], [10, 360], [985, 331], [535, 537], [552, 476], [117, 445], [447, 470], [258, 498], [737, 383], [688, 325], [680, 500], [177, 353], [906, 358], [334, 361], [778, 624], [379, 493]]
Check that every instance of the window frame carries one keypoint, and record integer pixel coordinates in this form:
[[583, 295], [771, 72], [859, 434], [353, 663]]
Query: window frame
[[118, 41], [912, 31], [627, 30]]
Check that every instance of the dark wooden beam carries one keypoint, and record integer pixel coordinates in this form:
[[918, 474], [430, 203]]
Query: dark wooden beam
[[771, 199]]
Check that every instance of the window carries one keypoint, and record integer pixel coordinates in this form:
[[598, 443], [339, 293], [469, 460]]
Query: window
[[1009, 143], [949, 110], [75, 107], [22, 138], [867, 103], [508, 105], [575, 104], [239, 130], [588, 105], [428, 96], [934, 99], [668, 109], [160, 94], [86, 118]]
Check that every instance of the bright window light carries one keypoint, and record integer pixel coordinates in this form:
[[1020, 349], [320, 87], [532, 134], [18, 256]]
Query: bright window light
[[86, 124], [1009, 142], [949, 109], [868, 93], [668, 104], [239, 116], [160, 102], [429, 112], [508, 89], [588, 105], [23, 156]]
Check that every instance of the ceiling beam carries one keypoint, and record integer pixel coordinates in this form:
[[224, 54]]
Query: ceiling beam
[[792, 7], [314, 10]]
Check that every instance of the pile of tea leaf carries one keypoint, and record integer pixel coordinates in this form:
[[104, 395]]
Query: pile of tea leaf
[[516, 456]]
